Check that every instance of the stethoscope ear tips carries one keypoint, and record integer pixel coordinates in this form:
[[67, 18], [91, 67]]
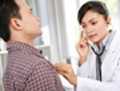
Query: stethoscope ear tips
[[110, 30]]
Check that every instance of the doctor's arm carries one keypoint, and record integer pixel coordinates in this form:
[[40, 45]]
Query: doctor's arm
[[87, 84]]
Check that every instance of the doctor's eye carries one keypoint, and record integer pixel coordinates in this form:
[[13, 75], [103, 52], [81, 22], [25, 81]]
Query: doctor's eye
[[94, 23]]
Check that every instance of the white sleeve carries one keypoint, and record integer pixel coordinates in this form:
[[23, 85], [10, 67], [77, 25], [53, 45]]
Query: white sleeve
[[85, 84]]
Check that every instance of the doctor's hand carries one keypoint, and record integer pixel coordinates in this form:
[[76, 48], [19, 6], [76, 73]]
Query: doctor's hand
[[66, 71], [82, 47]]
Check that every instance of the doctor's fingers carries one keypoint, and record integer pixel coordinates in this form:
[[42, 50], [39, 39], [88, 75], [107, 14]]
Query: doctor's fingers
[[63, 67], [82, 42], [68, 73], [70, 76], [81, 46]]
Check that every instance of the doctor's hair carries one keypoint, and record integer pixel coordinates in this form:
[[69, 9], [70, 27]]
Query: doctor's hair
[[95, 6], [8, 9]]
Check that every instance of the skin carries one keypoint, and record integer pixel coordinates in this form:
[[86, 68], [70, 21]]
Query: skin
[[95, 28], [25, 29]]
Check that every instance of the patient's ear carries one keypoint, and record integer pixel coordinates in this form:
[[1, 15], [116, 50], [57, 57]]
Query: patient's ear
[[16, 24]]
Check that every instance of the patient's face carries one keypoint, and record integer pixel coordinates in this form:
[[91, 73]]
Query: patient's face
[[95, 25], [31, 24]]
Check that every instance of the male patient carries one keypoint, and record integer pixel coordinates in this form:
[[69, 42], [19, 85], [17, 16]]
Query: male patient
[[27, 70]]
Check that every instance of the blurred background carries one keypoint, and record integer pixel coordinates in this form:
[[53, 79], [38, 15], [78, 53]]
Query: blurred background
[[60, 28]]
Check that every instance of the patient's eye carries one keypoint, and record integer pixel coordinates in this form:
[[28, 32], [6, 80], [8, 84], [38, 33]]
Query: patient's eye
[[29, 5]]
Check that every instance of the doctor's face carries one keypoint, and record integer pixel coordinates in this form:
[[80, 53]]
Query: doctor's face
[[95, 26]]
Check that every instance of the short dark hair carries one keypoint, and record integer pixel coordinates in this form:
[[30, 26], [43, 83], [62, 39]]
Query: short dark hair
[[96, 6], [8, 10]]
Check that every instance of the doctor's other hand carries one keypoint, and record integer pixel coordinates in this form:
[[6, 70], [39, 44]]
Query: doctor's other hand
[[66, 71], [82, 47]]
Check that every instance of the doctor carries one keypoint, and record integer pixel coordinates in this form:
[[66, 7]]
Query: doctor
[[99, 52]]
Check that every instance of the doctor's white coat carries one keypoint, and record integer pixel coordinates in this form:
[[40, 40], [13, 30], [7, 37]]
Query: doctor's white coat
[[110, 71]]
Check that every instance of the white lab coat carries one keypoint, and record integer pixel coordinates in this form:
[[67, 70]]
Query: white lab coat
[[110, 71]]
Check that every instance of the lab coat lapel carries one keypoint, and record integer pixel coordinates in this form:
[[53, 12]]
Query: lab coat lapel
[[110, 61]]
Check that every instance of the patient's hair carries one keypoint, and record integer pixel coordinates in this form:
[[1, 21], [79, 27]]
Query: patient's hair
[[8, 10], [96, 6]]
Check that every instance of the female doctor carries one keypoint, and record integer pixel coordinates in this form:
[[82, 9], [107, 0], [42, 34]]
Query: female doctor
[[99, 52]]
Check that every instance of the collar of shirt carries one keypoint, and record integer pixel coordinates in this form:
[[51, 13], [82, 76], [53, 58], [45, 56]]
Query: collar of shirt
[[17, 46], [106, 42], [108, 39]]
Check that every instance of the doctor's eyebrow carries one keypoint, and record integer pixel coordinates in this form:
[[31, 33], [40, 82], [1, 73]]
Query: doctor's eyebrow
[[91, 20]]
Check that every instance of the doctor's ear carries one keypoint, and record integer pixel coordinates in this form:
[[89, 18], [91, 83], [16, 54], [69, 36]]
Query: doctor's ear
[[108, 20], [16, 24], [109, 24]]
